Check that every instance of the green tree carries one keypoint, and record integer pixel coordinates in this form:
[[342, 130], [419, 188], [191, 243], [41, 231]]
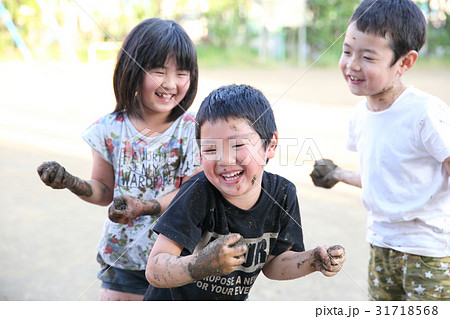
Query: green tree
[[438, 33], [326, 22], [227, 22]]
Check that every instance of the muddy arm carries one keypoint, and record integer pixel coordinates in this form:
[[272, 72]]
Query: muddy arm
[[292, 265], [126, 208], [166, 269], [98, 190], [326, 174]]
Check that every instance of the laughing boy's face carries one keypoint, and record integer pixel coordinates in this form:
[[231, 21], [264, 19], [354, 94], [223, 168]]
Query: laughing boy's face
[[233, 158], [366, 64]]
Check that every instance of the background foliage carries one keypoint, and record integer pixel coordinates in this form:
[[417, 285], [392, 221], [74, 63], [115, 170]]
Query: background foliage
[[233, 31]]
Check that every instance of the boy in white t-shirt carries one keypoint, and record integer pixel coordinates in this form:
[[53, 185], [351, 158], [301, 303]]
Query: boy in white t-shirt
[[402, 136]]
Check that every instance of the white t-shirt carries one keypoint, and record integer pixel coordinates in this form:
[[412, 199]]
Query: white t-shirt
[[405, 187]]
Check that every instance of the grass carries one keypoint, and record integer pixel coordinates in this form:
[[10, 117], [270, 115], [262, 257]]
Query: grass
[[233, 57], [216, 57], [433, 62]]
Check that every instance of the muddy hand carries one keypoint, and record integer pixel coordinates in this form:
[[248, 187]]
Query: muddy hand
[[123, 210], [54, 175], [337, 255], [328, 261], [220, 257], [322, 175]]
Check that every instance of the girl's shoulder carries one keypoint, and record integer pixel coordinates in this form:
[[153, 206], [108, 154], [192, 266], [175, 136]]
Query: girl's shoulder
[[188, 117], [117, 118], [106, 126], [185, 123], [185, 120]]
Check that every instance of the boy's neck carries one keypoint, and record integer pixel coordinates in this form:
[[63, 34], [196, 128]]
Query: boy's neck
[[246, 202], [384, 100]]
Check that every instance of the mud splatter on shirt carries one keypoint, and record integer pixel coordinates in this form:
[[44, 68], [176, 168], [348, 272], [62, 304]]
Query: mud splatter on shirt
[[145, 168]]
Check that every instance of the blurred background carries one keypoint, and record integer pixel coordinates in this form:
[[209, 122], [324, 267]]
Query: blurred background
[[237, 31], [56, 63]]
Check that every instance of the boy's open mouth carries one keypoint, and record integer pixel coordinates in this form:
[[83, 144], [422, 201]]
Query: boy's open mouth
[[229, 177]]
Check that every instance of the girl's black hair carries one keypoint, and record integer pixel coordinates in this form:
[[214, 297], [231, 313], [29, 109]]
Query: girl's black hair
[[148, 46], [400, 21], [240, 102]]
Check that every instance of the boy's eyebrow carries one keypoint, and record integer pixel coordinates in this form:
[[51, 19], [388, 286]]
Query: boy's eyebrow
[[241, 135], [235, 136], [364, 50]]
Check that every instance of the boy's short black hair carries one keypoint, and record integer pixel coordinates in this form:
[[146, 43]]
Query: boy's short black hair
[[400, 21], [148, 46], [241, 102]]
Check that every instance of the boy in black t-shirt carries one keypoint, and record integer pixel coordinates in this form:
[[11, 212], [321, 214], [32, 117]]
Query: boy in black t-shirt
[[233, 220]]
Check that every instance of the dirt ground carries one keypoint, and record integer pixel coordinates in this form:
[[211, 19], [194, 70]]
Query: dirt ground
[[48, 237]]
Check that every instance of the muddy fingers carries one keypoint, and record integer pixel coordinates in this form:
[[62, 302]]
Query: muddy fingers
[[220, 257]]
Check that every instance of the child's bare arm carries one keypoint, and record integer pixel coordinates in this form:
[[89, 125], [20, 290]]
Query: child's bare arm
[[98, 190], [326, 174], [291, 265], [349, 177], [166, 269], [126, 208]]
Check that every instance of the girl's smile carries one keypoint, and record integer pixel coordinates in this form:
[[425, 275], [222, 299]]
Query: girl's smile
[[163, 88]]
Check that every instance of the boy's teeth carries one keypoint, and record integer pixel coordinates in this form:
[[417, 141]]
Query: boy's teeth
[[232, 176]]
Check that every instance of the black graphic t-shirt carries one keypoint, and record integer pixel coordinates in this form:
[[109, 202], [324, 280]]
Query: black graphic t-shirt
[[200, 214]]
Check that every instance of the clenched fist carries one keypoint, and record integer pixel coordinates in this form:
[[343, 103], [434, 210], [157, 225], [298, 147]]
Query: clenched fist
[[54, 175], [322, 175]]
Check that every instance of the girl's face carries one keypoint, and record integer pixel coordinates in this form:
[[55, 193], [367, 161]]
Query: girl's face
[[233, 159], [163, 88], [366, 66]]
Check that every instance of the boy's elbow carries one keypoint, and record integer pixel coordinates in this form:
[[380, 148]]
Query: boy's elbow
[[150, 275], [155, 277], [270, 271]]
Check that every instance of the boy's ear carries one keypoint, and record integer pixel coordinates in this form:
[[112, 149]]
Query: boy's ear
[[271, 148], [407, 61]]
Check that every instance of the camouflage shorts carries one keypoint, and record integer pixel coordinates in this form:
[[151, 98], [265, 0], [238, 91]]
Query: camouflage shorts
[[394, 275]]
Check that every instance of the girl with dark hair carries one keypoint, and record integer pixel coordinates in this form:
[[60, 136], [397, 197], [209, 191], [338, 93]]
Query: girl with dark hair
[[142, 152]]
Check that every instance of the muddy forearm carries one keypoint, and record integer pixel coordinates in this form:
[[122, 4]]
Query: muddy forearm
[[151, 207], [289, 265], [78, 186], [159, 205], [126, 208], [91, 191], [167, 271], [220, 257], [138, 207]]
